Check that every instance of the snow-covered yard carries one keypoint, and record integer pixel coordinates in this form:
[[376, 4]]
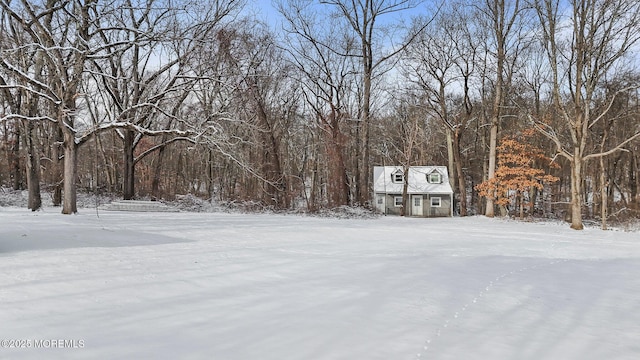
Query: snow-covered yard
[[271, 287]]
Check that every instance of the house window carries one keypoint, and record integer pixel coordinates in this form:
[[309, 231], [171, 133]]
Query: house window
[[380, 200], [397, 177], [435, 178], [397, 201], [436, 202]]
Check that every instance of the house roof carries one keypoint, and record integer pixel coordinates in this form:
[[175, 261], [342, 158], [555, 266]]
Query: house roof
[[417, 180]]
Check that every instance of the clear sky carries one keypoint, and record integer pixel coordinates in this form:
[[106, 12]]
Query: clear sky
[[263, 10]]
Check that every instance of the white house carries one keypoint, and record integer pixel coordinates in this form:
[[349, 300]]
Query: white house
[[428, 189]]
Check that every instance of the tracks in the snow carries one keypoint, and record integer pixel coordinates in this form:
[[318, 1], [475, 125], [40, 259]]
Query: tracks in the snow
[[458, 315]]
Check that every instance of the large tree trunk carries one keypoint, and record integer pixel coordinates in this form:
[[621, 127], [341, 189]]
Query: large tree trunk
[[338, 179], [57, 167], [604, 201], [128, 178], [275, 193], [493, 142], [157, 173], [14, 159], [364, 193], [357, 163], [504, 18], [275, 186], [576, 191], [451, 164], [69, 204], [462, 187], [33, 168], [405, 195]]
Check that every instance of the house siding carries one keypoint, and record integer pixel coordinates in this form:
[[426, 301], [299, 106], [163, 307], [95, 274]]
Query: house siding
[[390, 205], [427, 210], [443, 210]]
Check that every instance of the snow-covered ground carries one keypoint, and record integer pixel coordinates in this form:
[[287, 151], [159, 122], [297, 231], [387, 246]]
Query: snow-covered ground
[[272, 287]]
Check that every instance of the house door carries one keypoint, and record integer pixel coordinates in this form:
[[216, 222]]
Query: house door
[[380, 203], [416, 205]]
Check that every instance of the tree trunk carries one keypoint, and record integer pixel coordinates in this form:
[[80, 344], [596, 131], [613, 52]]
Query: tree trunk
[[462, 187], [128, 190], [604, 201], [275, 187], [33, 168], [493, 142], [634, 178], [405, 188], [338, 179], [315, 185], [451, 165], [364, 193], [603, 194], [211, 188], [58, 165], [69, 204], [14, 159], [576, 191], [356, 162], [157, 173], [107, 170], [533, 195]]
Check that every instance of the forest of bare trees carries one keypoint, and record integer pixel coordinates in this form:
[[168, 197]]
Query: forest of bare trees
[[159, 98]]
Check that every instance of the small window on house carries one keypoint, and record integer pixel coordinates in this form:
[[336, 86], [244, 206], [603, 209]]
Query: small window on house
[[397, 201], [435, 178], [436, 202], [397, 177], [380, 200]]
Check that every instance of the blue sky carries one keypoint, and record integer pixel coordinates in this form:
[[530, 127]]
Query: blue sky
[[263, 9]]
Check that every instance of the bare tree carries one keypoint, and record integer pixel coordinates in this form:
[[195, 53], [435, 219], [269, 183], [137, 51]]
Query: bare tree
[[60, 30], [325, 78], [135, 51], [254, 132], [23, 107], [410, 121], [11, 101], [364, 19], [601, 35], [12, 130], [506, 20], [142, 87], [442, 62]]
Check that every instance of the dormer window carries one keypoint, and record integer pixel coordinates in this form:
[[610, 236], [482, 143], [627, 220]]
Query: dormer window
[[434, 178], [397, 177]]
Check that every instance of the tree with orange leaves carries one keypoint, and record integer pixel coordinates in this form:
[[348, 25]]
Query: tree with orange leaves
[[517, 173]]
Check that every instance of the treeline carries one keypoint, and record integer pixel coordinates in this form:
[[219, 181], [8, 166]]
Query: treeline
[[161, 98]]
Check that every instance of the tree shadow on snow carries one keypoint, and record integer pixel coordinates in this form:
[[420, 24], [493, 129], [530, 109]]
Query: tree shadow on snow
[[13, 241]]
